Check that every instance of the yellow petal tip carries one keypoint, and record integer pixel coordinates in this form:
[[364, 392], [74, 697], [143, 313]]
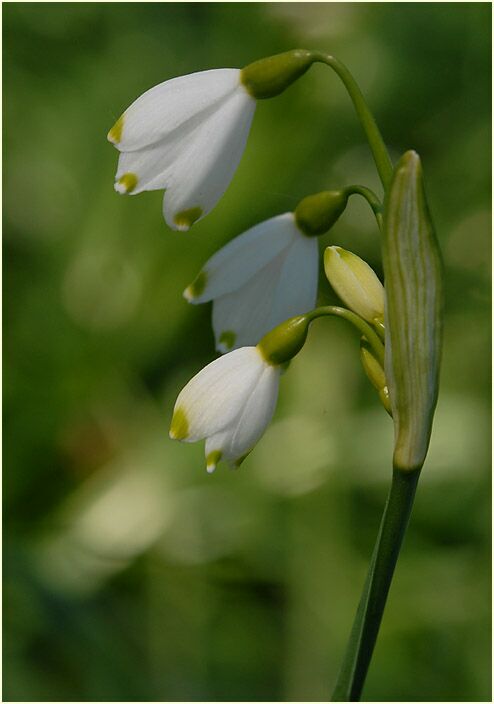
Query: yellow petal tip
[[186, 218], [115, 134], [179, 429], [226, 340], [126, 183], [197, 287], [212, 460]]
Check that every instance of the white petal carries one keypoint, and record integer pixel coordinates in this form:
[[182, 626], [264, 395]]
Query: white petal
[[296, 291], [209, 159], [214, 397], [287, 286], [167, 106], [237, 262], [254, 417], [241, 318], [213, 450], [150, 166]]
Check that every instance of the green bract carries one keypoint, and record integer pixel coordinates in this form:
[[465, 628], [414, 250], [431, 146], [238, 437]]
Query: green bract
[[413, 315]]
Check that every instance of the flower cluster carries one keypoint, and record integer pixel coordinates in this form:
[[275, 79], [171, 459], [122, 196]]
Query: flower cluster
[[187, 136]]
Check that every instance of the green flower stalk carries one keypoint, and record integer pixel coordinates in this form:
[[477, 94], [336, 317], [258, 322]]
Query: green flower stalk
[[413, 336]]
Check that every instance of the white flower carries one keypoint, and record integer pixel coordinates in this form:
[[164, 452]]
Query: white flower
[[355, 283], [229, 403], [258, 280], [186, 135]]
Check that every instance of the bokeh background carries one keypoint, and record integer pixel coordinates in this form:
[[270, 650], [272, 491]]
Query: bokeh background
[[129, 573]]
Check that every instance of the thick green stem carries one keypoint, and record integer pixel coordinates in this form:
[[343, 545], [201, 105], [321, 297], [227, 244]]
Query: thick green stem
[[373, 600], [357, 321], [376, 142]]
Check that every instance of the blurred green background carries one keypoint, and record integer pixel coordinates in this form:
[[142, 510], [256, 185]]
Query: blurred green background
[[129, 573]]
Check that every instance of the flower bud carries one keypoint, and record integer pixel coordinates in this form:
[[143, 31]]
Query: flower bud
[[267, 78], [355, 283], [375, 372], [316, 214], [285, 341], [413, 276]]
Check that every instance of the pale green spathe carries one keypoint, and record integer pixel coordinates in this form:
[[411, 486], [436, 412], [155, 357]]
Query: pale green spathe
[[413, 321]]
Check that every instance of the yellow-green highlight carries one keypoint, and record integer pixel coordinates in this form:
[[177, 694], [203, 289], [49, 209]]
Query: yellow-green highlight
[[179, 429], [197, 286], [186, 218], [227, 339], [128, 181], [213, 458], [115, 134]]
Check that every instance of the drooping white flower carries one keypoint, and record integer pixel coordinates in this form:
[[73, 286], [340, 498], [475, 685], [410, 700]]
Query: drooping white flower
[[259, 279], [187, 136], [355, 283], [229, 403]]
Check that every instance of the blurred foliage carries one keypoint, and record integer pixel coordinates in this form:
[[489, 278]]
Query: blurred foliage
[[129, 573]]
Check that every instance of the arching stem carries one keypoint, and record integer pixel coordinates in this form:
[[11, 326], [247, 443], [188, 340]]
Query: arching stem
[[363, 327], [376, 142]]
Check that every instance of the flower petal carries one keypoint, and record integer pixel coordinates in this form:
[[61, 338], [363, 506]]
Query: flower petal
[[213, 449], [213, 398], [296, 289], [205, 167], [253, 418], [167, 106], [238, 261], [287, 286], [151, 166], [241, 318]]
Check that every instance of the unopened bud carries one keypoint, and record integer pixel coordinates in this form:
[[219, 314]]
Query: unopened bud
[[374, 372], [317, 214], [267, 78], [355, 283]]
